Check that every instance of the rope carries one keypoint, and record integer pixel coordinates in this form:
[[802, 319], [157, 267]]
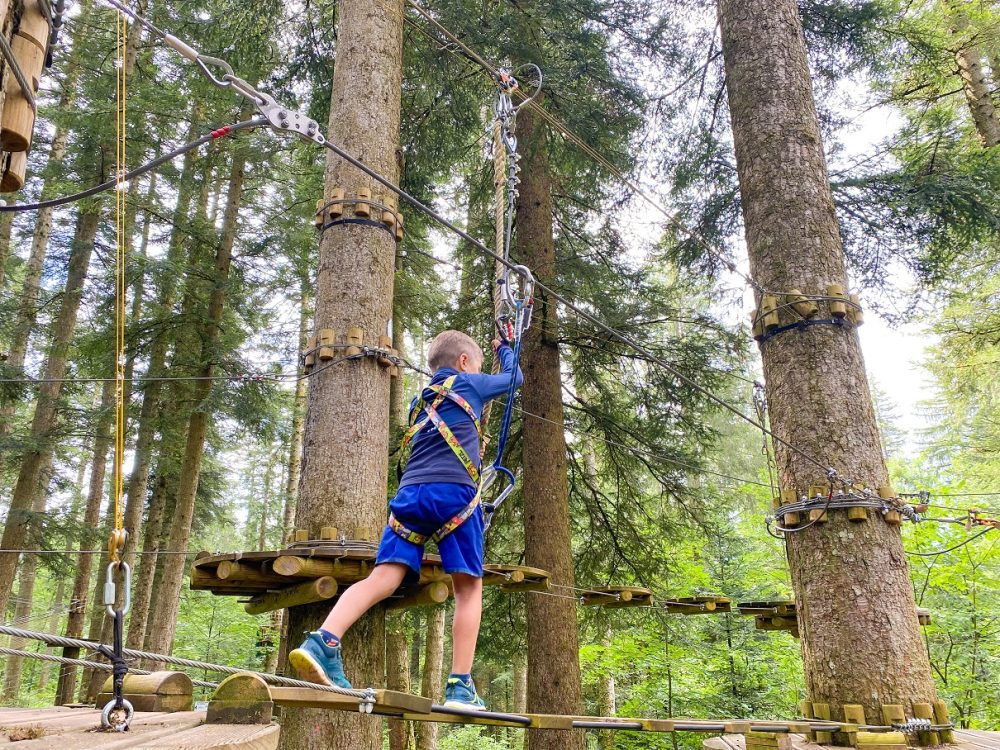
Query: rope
[[57, 640], [121, 241], [84, 663]]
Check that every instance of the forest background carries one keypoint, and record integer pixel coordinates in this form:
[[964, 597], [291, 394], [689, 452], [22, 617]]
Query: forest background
[[666, 491]]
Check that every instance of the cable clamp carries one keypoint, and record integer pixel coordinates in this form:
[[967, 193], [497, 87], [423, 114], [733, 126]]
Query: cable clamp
[[367, 703], [914, 725]]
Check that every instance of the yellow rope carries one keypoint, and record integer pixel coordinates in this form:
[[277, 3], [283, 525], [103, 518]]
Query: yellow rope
[[117, 537]]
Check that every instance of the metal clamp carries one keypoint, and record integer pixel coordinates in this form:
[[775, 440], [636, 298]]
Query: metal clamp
[[110, 591], [367, 702]]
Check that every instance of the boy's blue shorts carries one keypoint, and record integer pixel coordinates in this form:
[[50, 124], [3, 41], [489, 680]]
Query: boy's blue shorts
[[425, 508]]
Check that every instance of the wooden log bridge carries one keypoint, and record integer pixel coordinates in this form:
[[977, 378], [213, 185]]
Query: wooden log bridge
[[246, 698], [314, 571], [617, 597]]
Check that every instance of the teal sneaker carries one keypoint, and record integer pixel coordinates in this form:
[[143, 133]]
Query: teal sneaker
[[459, 694], [316, 662]]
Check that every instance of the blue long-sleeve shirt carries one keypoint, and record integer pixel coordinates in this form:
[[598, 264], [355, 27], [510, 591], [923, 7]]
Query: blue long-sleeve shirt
[[432, 459]]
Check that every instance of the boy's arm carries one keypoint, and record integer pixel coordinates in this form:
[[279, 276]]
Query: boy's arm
[[493, 386]]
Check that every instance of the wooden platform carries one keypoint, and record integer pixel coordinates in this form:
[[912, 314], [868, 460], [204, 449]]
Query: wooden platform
[[64, 728], [965, 739], [315, 571]]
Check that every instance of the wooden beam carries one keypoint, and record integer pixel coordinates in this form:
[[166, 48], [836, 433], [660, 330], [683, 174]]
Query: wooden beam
[[306, 567], [428, 596], [296, 595]]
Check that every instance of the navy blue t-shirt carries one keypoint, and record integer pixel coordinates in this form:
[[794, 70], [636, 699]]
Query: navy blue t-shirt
[[432, 459]]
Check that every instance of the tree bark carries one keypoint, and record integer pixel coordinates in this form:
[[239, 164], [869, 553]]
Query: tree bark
[[397, 677], [432, 682], [198, 423], [345, 454], [91, 515], [554, 682], [143, 589], [972, 67], [863, 645], [135, 494]]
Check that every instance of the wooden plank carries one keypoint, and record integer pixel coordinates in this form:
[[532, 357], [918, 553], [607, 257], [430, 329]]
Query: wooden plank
[[978, 738], [143, 726], [218, 737], [386, 701]]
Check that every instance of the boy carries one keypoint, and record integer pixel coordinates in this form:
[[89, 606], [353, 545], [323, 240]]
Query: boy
[[437, 499]]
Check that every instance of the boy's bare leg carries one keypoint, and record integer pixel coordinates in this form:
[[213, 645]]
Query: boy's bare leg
[[465, 626], [364, 595]]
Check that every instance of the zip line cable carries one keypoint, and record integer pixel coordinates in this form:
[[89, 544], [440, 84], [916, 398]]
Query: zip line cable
[[987, 530]]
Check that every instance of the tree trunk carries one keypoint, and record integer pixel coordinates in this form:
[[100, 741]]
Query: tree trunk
[[298, 418], [180, 529], [55, 616], [345, 454], [135, 498], [265, 505], [44, 420], [397, 677], [25, 596], [554, 683], [972, 67], [6, 225], [433, 678], [143, 588], [863, 645], [91, 515]]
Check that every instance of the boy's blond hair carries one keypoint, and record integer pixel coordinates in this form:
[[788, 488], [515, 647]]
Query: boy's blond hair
[[448, 346]]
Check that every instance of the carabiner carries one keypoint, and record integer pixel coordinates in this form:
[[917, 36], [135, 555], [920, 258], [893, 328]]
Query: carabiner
[[110, 591]]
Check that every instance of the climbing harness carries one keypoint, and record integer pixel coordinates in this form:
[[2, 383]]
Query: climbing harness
[[444, 391]]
